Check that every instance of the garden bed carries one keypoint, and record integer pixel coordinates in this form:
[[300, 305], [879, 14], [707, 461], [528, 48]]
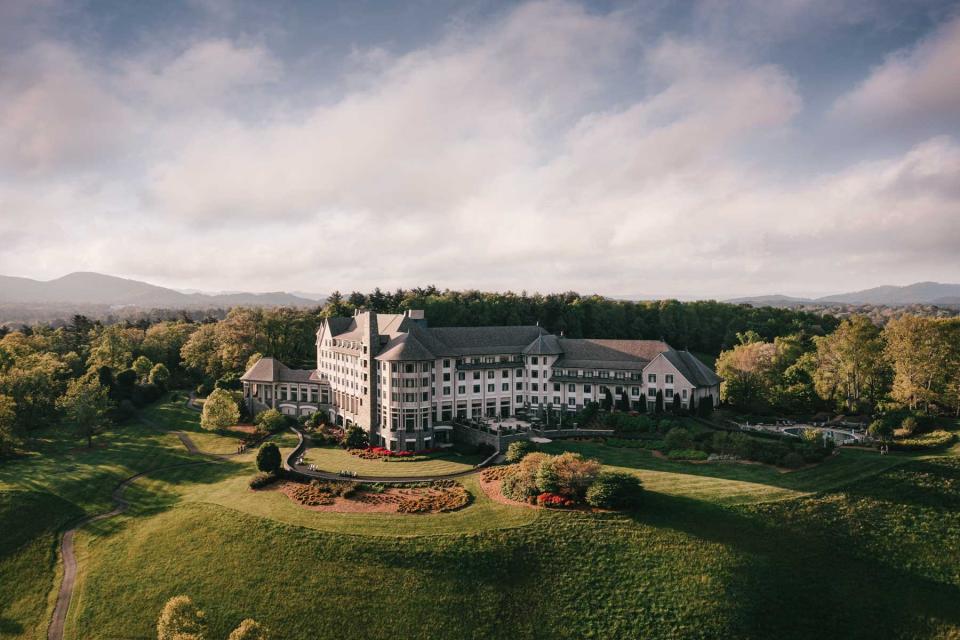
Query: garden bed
[[344, 497]]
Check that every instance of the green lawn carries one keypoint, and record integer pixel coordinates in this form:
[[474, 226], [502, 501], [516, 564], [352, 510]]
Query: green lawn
[[336, 459], [731, 483], [862, 546]]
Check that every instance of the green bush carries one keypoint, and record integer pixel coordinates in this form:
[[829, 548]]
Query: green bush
[[517, 450], [615, 490], [268, 458], [262, 479], [355, 438], [687, 454], [678, 438], [270, 421]]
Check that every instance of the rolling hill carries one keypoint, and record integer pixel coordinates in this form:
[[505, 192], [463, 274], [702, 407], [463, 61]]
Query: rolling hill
[[98, 289]]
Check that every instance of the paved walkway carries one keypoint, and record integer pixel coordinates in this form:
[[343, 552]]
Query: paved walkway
[[65, 594]]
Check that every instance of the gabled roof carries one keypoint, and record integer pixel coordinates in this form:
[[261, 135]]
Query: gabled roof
[[609, 354], [272, 370], [690, 367]]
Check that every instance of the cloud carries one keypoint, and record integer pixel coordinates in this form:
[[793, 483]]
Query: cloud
[[917, 83], [547, 147]]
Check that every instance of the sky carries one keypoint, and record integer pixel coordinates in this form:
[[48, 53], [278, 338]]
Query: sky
[[657, 148]]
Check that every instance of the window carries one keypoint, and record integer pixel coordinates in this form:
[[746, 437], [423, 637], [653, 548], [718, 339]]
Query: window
[[505, 374], [491, 388], [572, 402], [534, 400], [534, 360], [519, 386], [519, 399], [556, 386], [461, 389], [534, 386], [572, 388], [651, 377], [461, 375], [425, 396], [556, 399], [491, 375], [534, 374], [519, 373], [652, 393], [506, 387], [446, 364], [587, 388], [668, 378], [635, 391], [476, 388], [446, 391], [668, 393], [476, 375], [408, 368], [446, 377], [684, 394]]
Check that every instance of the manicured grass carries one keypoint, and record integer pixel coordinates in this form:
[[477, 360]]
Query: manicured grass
[[879, 559], [28, 560], [174, 415], [731, 483], [336, 459], [868, 547]]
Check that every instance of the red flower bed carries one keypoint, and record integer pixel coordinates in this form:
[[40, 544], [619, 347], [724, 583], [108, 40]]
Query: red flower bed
[[554, 500], [383, 452]]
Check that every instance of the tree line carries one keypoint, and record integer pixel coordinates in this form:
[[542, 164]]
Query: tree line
[[912, 363], [90, 373]]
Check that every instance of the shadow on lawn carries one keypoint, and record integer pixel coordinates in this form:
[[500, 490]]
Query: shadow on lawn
[[793, 583]]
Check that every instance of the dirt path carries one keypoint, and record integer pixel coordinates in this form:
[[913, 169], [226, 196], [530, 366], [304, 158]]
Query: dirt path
[[65, 594]]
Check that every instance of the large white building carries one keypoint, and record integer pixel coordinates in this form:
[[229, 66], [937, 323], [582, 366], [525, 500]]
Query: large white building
[[405, 382]]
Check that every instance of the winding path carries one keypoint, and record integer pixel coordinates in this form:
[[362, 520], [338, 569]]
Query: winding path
[[65, 594]]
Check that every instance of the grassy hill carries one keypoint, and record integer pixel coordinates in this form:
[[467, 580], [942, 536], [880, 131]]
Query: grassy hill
[[861, 546]]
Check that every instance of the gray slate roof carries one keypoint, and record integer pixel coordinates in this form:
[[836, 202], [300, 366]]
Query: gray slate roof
[[272, 370], [690, 367], [544, 345], [608, 354], [475, 341]]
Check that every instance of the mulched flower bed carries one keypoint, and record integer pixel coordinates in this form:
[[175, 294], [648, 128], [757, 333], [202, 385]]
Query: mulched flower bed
[[425, 497]]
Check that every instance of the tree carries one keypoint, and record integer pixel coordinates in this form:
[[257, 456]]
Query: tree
[[880, 429], [219, 411], [34, 381], [356, 438], [87, 405], [268, 458], [249, 629], [181, 620], [677, 407], [748, 374], [142, 366], [8, 419], [851, 367], [919, 350], [573, 473], [705, 408], [658, 405], [159, 375]]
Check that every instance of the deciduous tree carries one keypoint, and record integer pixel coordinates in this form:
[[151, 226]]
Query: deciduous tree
[[87, 406], [219, 411]]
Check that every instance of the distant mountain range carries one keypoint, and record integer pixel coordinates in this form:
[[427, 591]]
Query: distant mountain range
[[918, 293], [86, 288]]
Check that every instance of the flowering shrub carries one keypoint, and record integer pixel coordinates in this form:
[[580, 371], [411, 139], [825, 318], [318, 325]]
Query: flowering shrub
[[554, 500], [492, 474], [376, 453], [320, 492], [615, 490]]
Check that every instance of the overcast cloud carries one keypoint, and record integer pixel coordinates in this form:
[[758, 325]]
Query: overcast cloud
[[633, 149]]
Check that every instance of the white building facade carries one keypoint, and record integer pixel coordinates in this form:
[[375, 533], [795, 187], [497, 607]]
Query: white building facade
[[404, 382]]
